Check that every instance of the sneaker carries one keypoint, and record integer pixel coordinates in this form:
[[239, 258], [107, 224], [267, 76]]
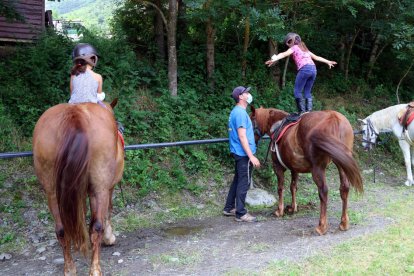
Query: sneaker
[[232, 212], [246, 218]]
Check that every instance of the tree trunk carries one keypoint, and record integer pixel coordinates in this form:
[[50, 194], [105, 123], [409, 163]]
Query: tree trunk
[[371, 67], [348, 54], [159, 33], [172, 48], [401, 80], [275, 70], [342, 56], [181, 22], [372, 56], [211, 32], [245, 45], [283, 83]]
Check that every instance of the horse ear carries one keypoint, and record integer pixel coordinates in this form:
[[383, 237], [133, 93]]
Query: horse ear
[[114, 103], [362, 121]]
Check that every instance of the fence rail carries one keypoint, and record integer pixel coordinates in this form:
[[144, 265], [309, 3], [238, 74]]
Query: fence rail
[[8, 155]]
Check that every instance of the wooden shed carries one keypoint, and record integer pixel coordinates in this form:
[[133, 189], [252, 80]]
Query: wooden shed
[[33, 13]]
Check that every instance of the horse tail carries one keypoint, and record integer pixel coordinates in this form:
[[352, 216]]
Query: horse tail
[[341, 156], [71, 179]]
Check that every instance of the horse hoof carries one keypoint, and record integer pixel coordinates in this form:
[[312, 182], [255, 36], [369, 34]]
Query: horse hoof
[[278, 213], [408, 183], [290, 210], [321, 231], [70, 270], [343, 226], [110, 240], [95, 272]]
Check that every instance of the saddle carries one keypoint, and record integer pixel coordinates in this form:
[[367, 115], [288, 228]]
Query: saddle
[[406, 116], [281, 126]]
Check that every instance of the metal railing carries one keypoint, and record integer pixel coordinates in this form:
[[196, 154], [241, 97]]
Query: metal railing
[[7, 155]]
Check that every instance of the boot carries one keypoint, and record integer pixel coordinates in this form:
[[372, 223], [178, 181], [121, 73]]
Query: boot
[[300, 105], [308, 104]]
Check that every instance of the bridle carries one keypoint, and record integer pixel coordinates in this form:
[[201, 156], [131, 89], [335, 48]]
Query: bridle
[[368, 132], [257, 132]]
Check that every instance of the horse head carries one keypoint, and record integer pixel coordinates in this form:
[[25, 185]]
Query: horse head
[[263, 119], [369, 133]]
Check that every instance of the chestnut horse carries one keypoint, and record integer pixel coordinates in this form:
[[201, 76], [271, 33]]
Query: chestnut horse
[[77, 153], [309, 146]]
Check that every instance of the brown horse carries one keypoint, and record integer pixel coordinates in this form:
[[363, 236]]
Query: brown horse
[[309, 146], [77, 153]]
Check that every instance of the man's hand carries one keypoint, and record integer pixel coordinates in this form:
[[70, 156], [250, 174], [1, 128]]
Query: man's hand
[[255, 161]]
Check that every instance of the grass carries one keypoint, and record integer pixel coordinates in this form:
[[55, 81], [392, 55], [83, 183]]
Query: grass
[[176, 259], [388, 252]]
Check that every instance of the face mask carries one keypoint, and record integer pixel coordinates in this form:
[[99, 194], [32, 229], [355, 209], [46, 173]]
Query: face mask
[[249, 99]]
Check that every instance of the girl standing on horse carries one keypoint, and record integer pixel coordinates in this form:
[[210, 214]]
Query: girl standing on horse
[[306, 69], [85, 84]]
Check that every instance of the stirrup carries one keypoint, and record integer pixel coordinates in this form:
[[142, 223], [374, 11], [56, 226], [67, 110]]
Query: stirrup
[[120, 127]]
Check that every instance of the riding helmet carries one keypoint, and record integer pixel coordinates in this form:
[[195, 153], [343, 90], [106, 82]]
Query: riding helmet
[[292, 39], [86, 52]]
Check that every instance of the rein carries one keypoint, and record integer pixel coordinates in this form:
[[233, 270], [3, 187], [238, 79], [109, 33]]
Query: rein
[[273, 138]]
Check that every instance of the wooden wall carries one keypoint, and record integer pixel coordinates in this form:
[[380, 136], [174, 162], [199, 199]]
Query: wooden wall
[[33, 12]]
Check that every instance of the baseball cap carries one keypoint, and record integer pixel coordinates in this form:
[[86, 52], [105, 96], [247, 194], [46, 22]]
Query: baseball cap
[[238, 91]]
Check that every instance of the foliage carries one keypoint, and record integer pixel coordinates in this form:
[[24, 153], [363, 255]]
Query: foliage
[[36, 77], [41, 81], [94, 14]]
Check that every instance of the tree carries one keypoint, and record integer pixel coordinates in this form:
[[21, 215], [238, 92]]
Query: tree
[[172, 48], [268, 25], [171, 26]]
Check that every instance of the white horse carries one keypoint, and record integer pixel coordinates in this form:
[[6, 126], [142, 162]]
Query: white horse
[[386, 120]]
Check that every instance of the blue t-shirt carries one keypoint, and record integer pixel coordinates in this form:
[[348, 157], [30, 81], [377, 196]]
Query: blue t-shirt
[[239, 118]]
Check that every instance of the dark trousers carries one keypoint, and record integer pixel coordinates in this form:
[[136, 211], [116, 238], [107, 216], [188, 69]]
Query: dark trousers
[[238, 190], [304, 81]]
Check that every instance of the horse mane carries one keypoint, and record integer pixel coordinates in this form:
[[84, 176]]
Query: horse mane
[[385, 118], [266, 117]]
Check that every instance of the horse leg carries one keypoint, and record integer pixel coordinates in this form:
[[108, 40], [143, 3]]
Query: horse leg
[[412, 159], [280, 180], [99, 202], [293, 188], [344, 190], [69, 267], [109, 237], [318, 175], [405, 147]]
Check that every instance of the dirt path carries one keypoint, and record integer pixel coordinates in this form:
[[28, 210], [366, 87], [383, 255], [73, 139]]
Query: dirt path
[[214, 246]]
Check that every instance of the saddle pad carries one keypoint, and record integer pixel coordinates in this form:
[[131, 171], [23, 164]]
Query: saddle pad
[[401, 116], [122, 139], [285, 128], [410, 119]]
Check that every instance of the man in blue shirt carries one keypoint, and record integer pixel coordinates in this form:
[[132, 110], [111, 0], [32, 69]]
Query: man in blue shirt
[[243, 148]]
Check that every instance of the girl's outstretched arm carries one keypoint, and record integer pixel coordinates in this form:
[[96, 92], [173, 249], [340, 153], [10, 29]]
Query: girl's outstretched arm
[[321, 59], [275, 58]]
